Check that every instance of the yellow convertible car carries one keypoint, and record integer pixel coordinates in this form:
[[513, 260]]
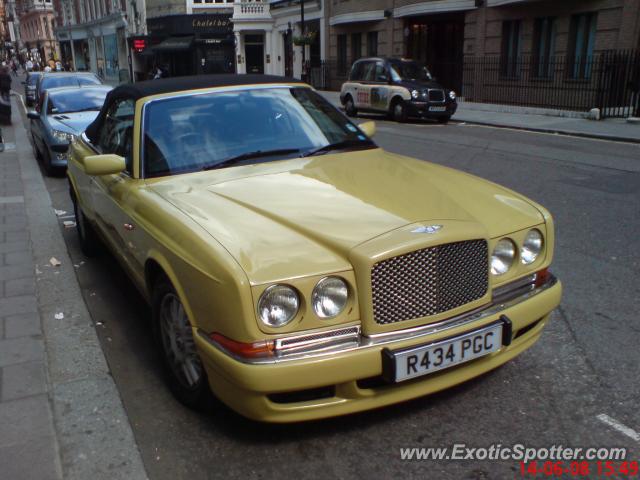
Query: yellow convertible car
[[295, 269]]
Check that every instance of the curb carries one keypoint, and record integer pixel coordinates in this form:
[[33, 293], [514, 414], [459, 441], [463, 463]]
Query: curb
[[552, 131], [93, 433]]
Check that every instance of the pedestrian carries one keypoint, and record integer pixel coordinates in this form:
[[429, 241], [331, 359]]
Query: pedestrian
[[29, 65], [14, 68], [5, 99]]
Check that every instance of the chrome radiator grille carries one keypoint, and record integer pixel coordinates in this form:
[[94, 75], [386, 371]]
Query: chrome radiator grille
[[436, 95], [429, 281]]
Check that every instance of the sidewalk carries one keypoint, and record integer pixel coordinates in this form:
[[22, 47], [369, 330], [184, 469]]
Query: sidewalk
[[60, 412], [515, 117]]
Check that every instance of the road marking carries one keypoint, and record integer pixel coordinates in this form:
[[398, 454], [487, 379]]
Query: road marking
[[629, 432]]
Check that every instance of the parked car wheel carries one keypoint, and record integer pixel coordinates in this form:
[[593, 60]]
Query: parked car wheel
[[444, 120], [184, 371], [398, 111], [89, 240], [49, 169], [350, 107], [36, 152]]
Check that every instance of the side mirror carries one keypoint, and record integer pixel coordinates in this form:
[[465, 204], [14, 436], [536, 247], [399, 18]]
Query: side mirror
[[368, 128], [109, 164], [33, 115], [60, 147]]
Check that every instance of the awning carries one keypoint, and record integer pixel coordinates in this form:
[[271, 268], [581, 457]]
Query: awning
[[174, 44], [357, 17], [436, 6]]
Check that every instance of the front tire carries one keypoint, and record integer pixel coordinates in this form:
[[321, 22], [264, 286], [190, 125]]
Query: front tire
[[184, 371], [89, 241], [350, 107], [399, 111]]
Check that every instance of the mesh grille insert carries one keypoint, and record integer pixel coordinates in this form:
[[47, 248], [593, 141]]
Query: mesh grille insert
[[429, 281]]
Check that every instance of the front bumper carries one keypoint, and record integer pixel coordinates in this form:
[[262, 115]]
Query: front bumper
[[58, 160], [422, 109], [342, 382]]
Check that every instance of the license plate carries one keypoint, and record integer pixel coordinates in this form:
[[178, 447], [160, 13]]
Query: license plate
[[401, 365], [437, 109]]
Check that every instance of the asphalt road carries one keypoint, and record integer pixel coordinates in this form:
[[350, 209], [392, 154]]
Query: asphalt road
[[585, 365]]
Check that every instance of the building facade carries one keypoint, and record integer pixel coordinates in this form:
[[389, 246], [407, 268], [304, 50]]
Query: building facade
[[93, 35], [223, 36], [480, 47], [37, 25]]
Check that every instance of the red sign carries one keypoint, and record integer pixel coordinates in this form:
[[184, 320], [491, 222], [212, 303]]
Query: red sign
[[139, 44]]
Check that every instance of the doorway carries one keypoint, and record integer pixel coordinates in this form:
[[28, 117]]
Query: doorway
[[254, 52], [287, 38], [438, 41]]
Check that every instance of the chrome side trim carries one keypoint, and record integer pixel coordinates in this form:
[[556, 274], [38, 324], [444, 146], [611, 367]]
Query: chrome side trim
[[374, 340]]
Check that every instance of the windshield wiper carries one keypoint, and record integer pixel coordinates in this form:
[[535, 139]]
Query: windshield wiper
[[338, 146], [249, 155]]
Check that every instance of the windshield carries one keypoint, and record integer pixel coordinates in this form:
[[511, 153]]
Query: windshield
[[67, 81], [409, 71], [196, 132], [82, 99]]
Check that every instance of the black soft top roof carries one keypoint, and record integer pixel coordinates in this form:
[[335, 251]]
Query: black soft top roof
[[178, 84], [139, 90]]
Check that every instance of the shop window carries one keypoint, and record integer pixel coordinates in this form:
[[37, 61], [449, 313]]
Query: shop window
[[582, 36], [372, 44], [544, 45], [511, 46], [342, 54]]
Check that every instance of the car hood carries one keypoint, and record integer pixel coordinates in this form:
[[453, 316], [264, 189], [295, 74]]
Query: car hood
[[421, 84], [77, 122], [275, 217]]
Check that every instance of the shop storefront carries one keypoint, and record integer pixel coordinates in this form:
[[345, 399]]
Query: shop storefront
[[188, 45]]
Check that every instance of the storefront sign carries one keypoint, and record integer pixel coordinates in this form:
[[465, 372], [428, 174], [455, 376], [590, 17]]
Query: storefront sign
[[205, 23]]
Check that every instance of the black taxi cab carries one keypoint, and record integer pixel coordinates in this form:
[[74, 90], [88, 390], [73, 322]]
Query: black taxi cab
[[400, 87]]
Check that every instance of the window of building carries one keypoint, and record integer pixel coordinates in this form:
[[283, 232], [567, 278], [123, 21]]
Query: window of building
[[511, 47], [544, 46], [356, 46], [582, 36], [342, 54], [372, 44]]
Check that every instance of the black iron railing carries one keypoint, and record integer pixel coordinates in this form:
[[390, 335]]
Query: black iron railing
[[609, 81]]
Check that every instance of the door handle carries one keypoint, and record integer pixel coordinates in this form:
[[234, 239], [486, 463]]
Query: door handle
[[129, 226]]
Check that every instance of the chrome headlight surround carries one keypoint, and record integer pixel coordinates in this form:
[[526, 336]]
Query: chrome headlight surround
[[330, 297], [532, 246], [278, 305], [503, 256], [62, 135], [452, 95]]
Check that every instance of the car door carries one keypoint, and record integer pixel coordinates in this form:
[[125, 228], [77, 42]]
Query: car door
[[379, 90], [111, 194], [363, 97], [37, 130]]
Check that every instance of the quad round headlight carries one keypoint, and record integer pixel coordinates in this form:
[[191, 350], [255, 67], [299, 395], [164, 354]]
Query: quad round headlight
[[329, 297], [415, 94], [531, 247], [452, 95], [502, 257], [278, 305]]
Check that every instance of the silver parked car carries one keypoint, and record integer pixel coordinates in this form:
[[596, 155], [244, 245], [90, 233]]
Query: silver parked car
[[61, 115]]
